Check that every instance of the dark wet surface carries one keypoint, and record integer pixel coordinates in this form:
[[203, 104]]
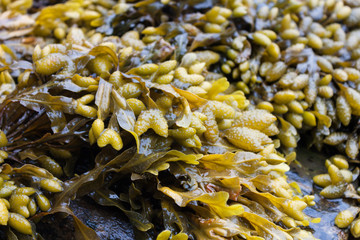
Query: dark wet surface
[[56, 227], [108, 222], [312, 163]]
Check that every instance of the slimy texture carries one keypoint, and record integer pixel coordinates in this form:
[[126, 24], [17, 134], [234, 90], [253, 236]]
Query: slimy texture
[[189, 113]]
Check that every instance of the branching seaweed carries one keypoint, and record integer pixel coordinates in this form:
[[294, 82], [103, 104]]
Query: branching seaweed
[[183, 106]]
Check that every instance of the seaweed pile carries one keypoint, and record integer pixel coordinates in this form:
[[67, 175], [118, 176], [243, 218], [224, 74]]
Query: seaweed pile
[[184, 115]]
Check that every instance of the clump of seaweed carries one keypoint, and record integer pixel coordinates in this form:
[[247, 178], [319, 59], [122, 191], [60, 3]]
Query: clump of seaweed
[[183, 106]]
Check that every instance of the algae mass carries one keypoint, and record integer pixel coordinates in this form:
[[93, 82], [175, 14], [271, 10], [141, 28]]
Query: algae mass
[[189, 112]]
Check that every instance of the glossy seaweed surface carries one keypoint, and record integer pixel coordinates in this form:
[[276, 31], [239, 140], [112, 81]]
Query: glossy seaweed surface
[[183, 116]]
